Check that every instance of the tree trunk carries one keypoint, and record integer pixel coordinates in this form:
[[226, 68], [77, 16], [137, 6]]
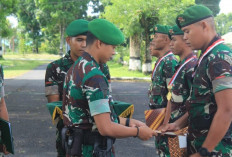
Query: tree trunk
[[37, 46], [135, 62], [61, 39], [147, 65], [13, 42], [0, 47]]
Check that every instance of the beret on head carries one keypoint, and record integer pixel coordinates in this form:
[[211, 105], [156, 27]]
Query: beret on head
[[161, 29], [175, 30], [77, 27], [106, 31], [192, 15]]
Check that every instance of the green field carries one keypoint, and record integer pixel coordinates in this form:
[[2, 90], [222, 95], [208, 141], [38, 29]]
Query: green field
[[16, 65]]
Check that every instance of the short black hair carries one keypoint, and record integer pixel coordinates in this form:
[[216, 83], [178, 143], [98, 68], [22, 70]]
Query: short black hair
[[90, 38]]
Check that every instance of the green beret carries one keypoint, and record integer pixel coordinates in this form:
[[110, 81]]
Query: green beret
[[77, 27], [161, 29], [175, 30], [106, 31], [192, 15]]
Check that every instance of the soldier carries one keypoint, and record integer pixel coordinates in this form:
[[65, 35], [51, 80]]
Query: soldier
[[56, 71], [180, 83], [210, 103], [164, 67], [86, 108], [161, 76], [3, 109]]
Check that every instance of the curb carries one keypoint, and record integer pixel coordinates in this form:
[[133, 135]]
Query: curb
[[130, 78]]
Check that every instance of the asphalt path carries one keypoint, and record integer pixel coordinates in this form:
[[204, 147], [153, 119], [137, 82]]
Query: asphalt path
[[33, 131]]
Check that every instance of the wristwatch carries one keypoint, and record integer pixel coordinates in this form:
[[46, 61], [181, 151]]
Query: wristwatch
[[203, 152]]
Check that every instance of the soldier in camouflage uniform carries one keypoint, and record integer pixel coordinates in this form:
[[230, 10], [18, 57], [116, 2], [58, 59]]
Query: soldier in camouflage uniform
[[3, 109], [56, 71], [86, 90], [210, 103], [161, 75], [181, 81], [163, 71]]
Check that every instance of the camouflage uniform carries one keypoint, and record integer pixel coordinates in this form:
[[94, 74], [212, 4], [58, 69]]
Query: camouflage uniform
[[54, 81], [181, 88], [158, 92], [86, 94], [158, 88], [2, 93], [213, 75]]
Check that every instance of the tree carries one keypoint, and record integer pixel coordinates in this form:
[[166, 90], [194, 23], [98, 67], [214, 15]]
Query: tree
[[55, 15], [31, 26], [7, 7], [212, 5], [137, 18], [223, 23]]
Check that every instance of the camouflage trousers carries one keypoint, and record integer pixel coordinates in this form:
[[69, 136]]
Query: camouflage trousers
[[196, 139], [161, 143], [59, 149]]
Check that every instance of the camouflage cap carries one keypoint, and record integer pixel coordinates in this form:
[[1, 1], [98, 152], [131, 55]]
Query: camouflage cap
[[77, 27], [192, 15], [106, 31], [175, 30], [161, 29]]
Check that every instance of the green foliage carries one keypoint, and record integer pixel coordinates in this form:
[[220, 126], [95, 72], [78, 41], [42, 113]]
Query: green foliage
[[50, 46], [7, 7], [212, 5], [29, 23], [223, 23], [55, 15], [139, 17]]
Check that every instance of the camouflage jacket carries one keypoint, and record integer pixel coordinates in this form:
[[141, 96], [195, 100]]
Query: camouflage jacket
[[55, 75], [181, 88], [2, 93], [86, 94], [160, 79], [211, 76]]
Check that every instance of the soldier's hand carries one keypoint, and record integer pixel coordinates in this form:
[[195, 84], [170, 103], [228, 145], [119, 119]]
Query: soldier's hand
[[170, 127], [134, 123], [162, 126], [145, 133]]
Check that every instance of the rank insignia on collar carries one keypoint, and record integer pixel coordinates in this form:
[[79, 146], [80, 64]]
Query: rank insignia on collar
[[181, 19], [156, 29], [171, 31]]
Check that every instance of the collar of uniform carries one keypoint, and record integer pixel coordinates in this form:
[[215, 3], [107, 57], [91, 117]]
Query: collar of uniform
[[88, 57], [166, 52], [68, 57], [212, 41], [189, 56]]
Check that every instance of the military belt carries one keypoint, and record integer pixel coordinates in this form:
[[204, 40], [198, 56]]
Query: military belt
[[204, 123]]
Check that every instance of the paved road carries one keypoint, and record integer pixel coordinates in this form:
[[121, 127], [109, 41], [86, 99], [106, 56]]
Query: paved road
[[34, 133]]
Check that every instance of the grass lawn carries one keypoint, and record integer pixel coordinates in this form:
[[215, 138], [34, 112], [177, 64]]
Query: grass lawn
[[31, 56], [13, 68], [17, 67], [117, 70]]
